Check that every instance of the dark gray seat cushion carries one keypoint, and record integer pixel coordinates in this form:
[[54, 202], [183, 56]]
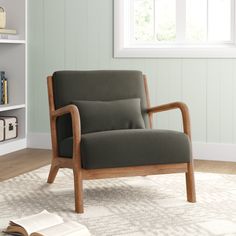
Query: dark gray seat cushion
[[135, 147], [98, 116]]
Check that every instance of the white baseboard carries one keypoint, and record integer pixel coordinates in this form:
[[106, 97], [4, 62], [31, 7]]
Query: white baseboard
[[214, 151], [201, 151], [39, 140]]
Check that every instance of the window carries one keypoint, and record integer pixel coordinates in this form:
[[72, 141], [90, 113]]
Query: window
[[174, 28]]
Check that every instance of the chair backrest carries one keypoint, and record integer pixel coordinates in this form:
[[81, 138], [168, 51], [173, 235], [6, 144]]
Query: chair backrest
[[109, 85]]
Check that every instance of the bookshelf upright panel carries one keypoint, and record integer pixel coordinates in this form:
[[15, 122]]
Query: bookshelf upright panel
[[13, 61]]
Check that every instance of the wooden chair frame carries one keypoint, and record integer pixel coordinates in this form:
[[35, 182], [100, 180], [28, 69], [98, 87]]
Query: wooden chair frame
[[81, 174]]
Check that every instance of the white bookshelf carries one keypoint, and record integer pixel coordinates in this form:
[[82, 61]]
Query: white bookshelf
[[13, 61], [6, 41]]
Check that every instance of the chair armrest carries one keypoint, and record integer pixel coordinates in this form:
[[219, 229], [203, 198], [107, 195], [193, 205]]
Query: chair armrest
[[76, 128], [75, 116], [175, 105]]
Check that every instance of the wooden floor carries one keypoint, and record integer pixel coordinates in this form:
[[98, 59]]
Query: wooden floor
[[20, 162]]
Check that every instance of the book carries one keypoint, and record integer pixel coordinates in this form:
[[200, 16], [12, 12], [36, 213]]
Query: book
[[5, 91], [7, 31], [45, 224], [9, 36], [2, 76], [3, 88]]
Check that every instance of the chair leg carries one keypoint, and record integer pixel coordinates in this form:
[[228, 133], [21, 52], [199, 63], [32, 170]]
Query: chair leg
[[78, 185], [52, 174], [190, 184]]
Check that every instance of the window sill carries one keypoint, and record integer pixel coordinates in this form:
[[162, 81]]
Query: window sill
[[176, 52]]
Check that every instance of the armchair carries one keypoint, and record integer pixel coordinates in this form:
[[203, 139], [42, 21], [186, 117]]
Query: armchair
[[124, 144]]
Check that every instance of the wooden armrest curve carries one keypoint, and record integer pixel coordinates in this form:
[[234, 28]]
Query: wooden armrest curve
[[72, 109], [175, 105], [75, 117]]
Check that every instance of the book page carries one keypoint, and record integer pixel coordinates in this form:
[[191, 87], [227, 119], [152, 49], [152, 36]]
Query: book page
[[70, 228], [37, 222]]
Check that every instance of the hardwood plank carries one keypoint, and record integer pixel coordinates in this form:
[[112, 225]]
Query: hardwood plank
[[23, 161], [220, 167]]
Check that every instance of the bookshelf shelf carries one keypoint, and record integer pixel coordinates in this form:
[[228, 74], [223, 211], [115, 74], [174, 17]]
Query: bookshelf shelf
[[12, 145], [13, 61], [5, 41], [9, 107]]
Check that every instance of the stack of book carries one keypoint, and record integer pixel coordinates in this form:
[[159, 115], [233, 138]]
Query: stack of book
[[3, 88], [8, 34]]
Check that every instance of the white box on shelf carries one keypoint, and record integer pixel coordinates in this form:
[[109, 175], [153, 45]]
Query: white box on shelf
[[10, 127], [1, 130]]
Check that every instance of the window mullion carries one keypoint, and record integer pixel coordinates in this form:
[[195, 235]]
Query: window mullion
[[207, 23], [180, 21], [130, 20], [154, 21], [233, 21]]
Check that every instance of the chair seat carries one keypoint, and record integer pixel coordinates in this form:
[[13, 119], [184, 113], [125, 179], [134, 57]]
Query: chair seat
[[133, 147]]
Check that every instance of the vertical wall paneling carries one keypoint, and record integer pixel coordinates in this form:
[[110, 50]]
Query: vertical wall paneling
[[36, 64], [94, 28], [71, 10], [54, 35], [175, 93], [54, 53], [152, 75], [194, 94], [226, 102], [168, 86], [162, 82], [213, 100], [234, 101], [81, 24], [105, 41]]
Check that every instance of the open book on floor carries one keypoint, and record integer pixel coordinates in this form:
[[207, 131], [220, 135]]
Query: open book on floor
[[45, 224]]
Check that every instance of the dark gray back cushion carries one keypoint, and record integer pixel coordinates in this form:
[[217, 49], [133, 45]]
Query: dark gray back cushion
[[110, 115], [110, 85]]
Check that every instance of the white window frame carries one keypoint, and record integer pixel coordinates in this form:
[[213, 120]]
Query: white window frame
[[124, 50]]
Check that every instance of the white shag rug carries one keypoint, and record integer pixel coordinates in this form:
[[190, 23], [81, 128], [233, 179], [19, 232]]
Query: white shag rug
[[134, 206]]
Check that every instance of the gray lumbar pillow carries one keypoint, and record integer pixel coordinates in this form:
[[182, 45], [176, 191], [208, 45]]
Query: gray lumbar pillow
[[110, 115]]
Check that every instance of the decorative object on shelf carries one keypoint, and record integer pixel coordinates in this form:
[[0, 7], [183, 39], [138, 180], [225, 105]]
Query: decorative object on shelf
[[7, 31], [10, 34], [3, 88], [8, 127], [2, 18], [1, 130]]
